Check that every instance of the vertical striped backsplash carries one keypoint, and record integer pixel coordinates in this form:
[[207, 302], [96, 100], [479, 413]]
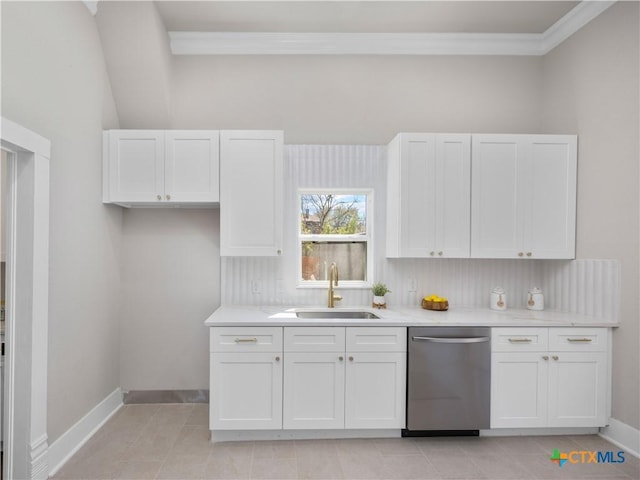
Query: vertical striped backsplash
[[588, 287]]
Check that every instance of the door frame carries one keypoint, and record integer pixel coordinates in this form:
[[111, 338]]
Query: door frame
[[27, 300]]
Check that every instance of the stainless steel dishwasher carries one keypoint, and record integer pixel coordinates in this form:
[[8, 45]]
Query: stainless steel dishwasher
[[448, 380]]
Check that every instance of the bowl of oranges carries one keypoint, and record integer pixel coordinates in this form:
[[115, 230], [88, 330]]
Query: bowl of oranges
[[435, 302]]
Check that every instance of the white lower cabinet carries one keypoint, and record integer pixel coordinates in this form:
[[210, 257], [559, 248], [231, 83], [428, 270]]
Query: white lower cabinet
[[313, 391], [375, 390], [307, 378], [337, 377], [246, 391], [549, 377], [245, 378]]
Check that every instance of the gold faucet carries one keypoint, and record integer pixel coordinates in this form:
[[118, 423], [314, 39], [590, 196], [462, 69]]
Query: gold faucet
[[333, 281]]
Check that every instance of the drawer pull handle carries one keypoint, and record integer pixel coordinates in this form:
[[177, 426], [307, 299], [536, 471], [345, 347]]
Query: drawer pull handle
[[246, 340], [519, 340], [555, 357], [579, 340], [545, 357]]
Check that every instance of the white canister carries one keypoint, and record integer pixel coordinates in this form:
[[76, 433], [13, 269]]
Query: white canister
[[535, 299], [498, 299]]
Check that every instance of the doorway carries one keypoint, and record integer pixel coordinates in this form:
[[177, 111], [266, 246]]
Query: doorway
[[26, 316]]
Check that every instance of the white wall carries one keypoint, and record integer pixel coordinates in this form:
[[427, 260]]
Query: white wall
[[54, 82], [171, 280], [357, 100], [591, 87]]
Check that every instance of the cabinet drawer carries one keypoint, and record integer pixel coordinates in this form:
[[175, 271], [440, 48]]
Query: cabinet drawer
[[314, 339], [578, 339], [376, 339], [245, 339], [519, 339]]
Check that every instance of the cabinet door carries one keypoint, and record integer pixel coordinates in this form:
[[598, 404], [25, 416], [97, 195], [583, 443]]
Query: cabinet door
[[313, 391], [519, 389], [246, 391], [411, 207], [550, 192], [251, 180], [192, 166], [417, 194], [577, 389], [375, 391], [497, 213], [453, 195], [135, 166]]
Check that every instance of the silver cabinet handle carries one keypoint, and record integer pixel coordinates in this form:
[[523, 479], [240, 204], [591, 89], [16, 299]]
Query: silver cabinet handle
[[545, 357], [341, 358], [521, 254], [168, 197], [579, 340], [246, 340], [519, 340], [440, 253], [528, 254], [351, 359], [451, 339], [277, 359], [432, 253], [159, 197], [555, 357]]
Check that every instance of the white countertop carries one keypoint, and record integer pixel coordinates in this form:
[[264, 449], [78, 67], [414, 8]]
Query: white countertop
[[402, 316]]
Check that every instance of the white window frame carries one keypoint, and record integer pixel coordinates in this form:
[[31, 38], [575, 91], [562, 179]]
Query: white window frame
[[368, 238]]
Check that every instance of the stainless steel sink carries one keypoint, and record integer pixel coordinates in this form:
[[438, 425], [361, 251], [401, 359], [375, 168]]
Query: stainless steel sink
[[336, 314]]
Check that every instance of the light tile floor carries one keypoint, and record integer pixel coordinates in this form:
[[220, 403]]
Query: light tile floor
[[172, 442]]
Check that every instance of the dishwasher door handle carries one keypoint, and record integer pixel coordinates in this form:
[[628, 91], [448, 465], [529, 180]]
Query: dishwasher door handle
[[451, 339]]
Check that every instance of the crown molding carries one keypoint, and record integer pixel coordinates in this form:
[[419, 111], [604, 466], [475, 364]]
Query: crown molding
[[573, 21], [286, 43]]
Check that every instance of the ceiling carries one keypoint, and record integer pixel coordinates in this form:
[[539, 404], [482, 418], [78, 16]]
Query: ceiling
[[520, 17]]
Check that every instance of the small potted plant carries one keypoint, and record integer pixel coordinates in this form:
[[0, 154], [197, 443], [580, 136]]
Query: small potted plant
[[379, 291]]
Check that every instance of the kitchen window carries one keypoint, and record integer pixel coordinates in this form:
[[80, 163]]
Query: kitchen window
[[335, 226]]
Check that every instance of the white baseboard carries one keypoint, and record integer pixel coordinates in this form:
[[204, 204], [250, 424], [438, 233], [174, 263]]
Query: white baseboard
[[39, 458], [532, 432], [623, 435], [246, 435], [70, 442]]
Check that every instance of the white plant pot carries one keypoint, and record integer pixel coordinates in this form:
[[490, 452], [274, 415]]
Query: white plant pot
[[378, 300]]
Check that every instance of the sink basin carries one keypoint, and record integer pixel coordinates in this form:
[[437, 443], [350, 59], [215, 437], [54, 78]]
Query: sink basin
[[336, 314]]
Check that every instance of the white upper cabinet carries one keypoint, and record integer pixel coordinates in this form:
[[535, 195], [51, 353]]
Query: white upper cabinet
[[192, 166], [156, 167], [523, 196], [251, 173], [428, 195]]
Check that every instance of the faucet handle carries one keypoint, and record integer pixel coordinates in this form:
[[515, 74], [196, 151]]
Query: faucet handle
[[337, 297]]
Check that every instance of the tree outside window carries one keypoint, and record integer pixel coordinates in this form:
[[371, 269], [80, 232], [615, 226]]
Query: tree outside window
[[334, 228]]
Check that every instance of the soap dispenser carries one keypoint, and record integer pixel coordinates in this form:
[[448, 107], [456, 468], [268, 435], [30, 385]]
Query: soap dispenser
[[498, 300], [535, 299]]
